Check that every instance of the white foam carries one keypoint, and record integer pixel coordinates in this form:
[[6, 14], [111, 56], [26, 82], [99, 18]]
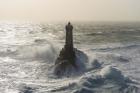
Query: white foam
[[109, 72], [11, 91]]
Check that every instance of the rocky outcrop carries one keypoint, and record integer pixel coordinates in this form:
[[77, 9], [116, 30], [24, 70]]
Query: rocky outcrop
[[65, 62]]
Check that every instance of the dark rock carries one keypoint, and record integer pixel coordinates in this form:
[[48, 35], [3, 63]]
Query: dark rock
[[65, 62], [96, 64]]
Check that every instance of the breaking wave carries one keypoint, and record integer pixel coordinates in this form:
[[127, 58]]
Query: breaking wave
[[47, 53], [106, 80]]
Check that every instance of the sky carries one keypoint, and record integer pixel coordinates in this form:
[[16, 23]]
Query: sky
[[70, 10]]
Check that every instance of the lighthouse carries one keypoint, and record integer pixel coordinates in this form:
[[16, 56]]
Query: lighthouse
[[67, 57], [66, 63], [69, 37]]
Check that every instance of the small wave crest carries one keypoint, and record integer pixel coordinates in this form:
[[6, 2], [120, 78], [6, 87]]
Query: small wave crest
[[115, 47]]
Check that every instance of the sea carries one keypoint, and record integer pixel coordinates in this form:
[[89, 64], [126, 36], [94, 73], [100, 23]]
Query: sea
[[110, 57]]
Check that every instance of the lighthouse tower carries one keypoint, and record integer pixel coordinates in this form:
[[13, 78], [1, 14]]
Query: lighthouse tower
[[67, 57], [69, 37]]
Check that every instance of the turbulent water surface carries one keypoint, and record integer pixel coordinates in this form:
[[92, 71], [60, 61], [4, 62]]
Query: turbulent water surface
[[28, 52]]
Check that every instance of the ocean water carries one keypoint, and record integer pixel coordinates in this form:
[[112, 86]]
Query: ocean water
[[111, 56]]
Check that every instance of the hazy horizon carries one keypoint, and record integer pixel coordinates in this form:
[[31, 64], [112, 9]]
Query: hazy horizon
[[70, 10]]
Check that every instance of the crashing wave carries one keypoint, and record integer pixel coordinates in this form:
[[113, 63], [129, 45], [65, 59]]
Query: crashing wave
[[108, 80], [45, 53]]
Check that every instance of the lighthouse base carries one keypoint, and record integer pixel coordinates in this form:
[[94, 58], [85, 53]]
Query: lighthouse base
[[66, 62], [70, 63]]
